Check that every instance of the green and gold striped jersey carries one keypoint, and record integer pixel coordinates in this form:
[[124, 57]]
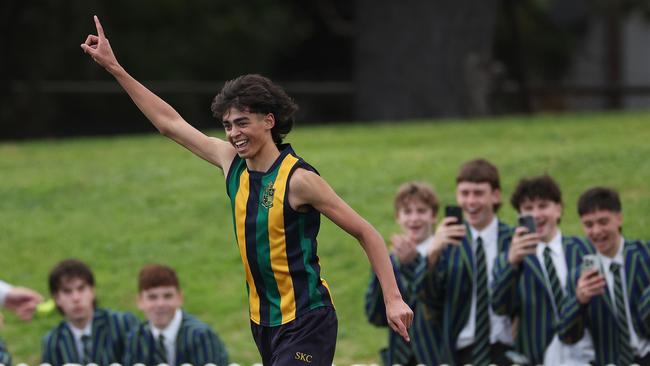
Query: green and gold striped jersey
[[277, 243]]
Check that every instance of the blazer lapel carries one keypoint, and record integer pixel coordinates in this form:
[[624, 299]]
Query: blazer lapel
[[180, 341], [535, 269], [630, 255], [466, 252], [503, 235], [69, 346]]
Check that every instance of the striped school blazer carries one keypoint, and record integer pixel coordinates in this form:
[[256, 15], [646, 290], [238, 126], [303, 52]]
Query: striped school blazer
[[446, 288], [196, 343], [425, 339], [109, 332], [599, 314], [524, 293]]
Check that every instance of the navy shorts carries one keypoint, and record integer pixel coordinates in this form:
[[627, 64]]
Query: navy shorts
[[309, 340]]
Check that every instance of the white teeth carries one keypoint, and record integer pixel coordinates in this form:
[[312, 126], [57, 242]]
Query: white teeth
[[240, 143]]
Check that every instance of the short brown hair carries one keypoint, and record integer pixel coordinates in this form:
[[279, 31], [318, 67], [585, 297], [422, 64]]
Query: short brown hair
[[419, 191], [157, 275], [542, 187], [480, 171]]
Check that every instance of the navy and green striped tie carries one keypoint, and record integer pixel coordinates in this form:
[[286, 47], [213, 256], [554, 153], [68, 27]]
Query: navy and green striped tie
[[481, 348], [552, 278], [86, 346], [625, 355], [160, 353]]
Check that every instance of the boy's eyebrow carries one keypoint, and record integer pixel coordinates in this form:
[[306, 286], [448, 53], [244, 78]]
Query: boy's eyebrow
[[236, 120]]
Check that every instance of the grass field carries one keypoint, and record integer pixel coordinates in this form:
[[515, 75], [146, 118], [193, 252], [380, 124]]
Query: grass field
[[120, 202]]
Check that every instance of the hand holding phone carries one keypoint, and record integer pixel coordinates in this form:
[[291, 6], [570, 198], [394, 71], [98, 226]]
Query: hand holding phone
[[591, 282], [591, 262]]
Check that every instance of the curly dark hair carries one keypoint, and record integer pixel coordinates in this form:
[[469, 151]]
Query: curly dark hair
[[69, 269], [254, 93], [599, 198], [542, 187]]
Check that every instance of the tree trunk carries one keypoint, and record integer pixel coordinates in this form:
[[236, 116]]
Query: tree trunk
[[423, 58]]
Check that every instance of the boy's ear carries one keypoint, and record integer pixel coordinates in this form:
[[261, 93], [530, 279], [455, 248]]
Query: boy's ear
[[269, 120]]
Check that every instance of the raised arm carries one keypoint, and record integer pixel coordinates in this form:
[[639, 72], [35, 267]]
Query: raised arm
[[161, 114], [308, 188]]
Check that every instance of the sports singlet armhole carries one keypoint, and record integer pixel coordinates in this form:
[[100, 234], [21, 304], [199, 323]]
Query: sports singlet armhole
[[301, 164]]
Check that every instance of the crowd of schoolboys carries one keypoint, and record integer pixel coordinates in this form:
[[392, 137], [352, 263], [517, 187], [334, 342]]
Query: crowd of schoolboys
[[483, 292], [487, 293]]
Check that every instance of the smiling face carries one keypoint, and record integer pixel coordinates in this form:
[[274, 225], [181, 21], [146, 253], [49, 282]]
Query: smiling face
[[547, 215], [248, 133], [603, 228], [416, 219], [159, 304], [477, 201], [76, 298]]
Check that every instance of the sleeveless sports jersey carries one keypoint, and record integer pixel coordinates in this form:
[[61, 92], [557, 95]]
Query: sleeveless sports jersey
[[277, 244]]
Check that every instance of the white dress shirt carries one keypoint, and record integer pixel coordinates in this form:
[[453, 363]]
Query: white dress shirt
[[4, 289], [170, 333], [641, 346], [423, 247], [500, 326], [558, 353], [78, 333]]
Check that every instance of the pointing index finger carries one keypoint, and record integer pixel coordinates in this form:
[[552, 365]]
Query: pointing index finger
[[100, 29]]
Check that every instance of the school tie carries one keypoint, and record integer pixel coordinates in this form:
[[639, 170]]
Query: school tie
[[625, 354], [481, 349], [160, 353], [552, 278], [86, 346]]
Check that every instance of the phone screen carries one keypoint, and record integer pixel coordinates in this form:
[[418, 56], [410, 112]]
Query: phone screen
[[454, 211]]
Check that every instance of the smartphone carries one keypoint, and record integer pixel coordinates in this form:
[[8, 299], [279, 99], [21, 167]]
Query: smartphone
[[454, 211], [591, 261], [528, 222]]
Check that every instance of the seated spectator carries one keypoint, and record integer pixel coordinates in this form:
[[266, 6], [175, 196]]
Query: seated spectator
[[169, 335], [87, 334]]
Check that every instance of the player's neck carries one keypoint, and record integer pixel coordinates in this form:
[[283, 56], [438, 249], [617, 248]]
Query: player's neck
[[264, 158]]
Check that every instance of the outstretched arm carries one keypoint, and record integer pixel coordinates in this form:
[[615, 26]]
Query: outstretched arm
[[20, 300], [161, 114], [308, 188]]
